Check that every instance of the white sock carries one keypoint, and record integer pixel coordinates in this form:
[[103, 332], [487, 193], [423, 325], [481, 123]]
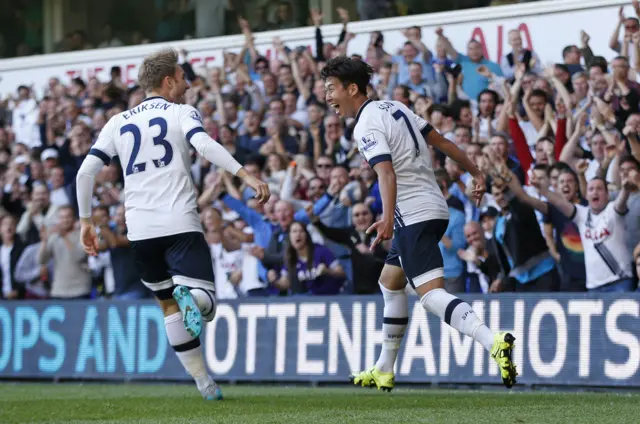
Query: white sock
[[459, 315], [396, 318], [206, 301], [187, 349]]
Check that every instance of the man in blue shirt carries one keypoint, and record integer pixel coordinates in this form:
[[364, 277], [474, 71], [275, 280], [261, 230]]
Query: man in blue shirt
[[473, 82]]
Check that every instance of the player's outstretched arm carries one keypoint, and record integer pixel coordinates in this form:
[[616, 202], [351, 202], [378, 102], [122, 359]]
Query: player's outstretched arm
[[388, 193], [84, 190], [451, 150]]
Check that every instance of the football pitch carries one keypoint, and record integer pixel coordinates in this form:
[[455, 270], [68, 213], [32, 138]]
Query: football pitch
[[163, 403]]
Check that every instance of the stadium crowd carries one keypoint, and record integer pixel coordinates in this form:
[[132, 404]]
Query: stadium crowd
[[559, 145]]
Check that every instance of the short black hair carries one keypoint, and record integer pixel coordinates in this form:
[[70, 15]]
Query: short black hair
[[348, 71], [541, 167], [540, 93], [628, 158], [559, 166], [568, 49]]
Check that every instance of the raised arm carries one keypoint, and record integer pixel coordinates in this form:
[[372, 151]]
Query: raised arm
[[451, 51], [614, 44], [621, 201], [568, 209]]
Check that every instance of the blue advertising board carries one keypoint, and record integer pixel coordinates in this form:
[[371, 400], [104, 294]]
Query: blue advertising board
[[562, 339]]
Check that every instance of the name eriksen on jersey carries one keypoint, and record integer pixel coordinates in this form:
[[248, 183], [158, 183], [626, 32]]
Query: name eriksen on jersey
[[146, 106]]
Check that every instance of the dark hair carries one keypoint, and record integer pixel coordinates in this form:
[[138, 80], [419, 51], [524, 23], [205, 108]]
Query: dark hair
[[540, 93], [541, 167], [568, 49], [103, 208], [599, 62], [406, 91], [606, 186], [80, 82], [628, 158], [348, 71], [559, 166], [316, 178], [291, 258], [563, 67], [457, 106], [465, 127]]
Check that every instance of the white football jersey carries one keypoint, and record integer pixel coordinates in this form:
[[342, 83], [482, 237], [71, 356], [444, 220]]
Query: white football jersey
[[604, 242], [152, 142], [389, 131]]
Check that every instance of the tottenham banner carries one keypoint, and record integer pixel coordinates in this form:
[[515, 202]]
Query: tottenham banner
[[563, 339]]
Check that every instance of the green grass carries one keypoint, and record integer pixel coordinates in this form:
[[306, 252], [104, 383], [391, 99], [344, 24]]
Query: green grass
[[159, 404]]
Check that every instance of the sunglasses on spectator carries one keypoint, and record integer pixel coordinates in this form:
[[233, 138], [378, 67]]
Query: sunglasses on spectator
[[324, 165]]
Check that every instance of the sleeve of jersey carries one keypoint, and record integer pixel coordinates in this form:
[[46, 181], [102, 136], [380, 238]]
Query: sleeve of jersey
[[212, 151], [425, 127], [372, 141], [85, 179], [579, 214], [104, 148]]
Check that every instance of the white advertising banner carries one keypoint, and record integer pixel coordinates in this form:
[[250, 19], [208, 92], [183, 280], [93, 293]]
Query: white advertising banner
[[547, 27]]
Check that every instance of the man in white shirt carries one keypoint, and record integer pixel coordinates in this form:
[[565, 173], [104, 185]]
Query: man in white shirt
[[153, 139], [394, 141], [603, 233]]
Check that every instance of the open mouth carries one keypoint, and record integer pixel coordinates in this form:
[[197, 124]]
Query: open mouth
[[336, 107]]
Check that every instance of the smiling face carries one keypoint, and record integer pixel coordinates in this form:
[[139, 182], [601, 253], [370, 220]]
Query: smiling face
[[340, 97]]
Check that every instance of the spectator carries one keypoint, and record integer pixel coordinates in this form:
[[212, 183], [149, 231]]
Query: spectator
[[471, 65], [309, 268], [519, 55], [528, 260], [10, 252], [127, 282], [39, 213], [482, 273], [566, 246], [602, 228], [71, 279], [366, 264]]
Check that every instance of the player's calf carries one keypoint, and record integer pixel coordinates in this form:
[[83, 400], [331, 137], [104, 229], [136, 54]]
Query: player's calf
[[453, 311]]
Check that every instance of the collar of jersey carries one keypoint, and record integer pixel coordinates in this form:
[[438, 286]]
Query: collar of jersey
[[362, 108], [155, 97]]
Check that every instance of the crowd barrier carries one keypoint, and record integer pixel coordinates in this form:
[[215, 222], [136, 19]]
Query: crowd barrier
[[562, 339]]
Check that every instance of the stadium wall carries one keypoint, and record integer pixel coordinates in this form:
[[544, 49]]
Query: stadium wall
[[547, 27], [563, 339]]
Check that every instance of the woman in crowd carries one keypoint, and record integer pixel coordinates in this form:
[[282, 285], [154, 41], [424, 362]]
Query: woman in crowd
[[309, 268]]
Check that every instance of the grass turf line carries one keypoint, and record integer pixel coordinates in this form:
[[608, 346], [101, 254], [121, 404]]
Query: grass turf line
[[159, 404]]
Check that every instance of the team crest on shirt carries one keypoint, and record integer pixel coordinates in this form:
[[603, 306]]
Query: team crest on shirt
[[196, 117], [369, 142]]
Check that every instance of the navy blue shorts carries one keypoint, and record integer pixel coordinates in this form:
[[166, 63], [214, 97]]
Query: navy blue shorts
[[415, 249], [179, 259]]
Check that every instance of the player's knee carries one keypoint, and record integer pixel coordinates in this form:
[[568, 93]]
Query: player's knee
[[392, 278]]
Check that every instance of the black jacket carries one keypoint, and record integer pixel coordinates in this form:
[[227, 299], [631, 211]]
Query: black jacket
[[366, 267], [523, 239], [14, 256]]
